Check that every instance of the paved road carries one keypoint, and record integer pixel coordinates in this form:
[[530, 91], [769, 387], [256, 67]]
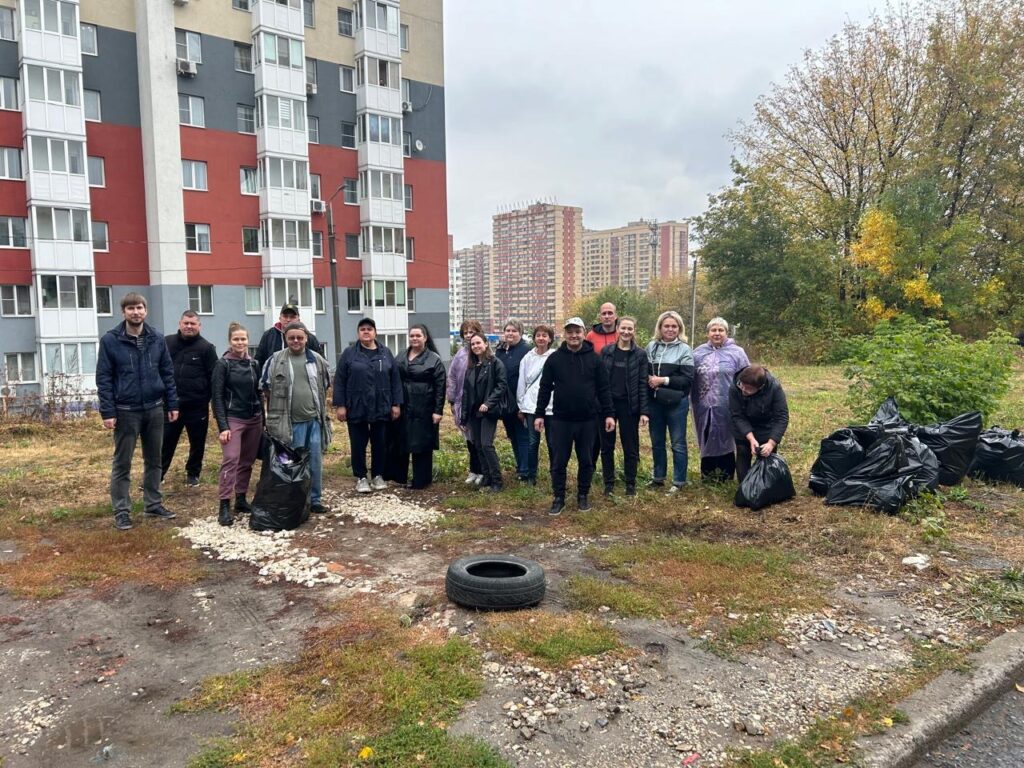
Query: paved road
[[994, 740]]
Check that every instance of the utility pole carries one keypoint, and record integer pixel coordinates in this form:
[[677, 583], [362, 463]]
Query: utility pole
[[332, 253], [693, 299]]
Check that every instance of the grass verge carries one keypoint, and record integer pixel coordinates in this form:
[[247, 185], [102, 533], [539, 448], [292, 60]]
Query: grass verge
[[551, 640]]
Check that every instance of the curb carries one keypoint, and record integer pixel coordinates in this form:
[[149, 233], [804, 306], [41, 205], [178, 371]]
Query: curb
[[946, 704]]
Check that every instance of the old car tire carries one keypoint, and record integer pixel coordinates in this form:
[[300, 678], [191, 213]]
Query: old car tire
[[495, 582]]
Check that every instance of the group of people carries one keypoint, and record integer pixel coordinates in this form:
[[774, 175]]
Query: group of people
[[597, 388]]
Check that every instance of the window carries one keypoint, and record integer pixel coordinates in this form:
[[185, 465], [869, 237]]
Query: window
[[284, 113], [240, 5], [66, 291], [348, 135], [383, 240], [351, 187], [92, 105], [243, 57], [57, 155], [96, 171], [382, 17], [15, 300], [354, 302], [411, 300], [193, 174], [381, 184], [246, 117], [407, 144], [197, 238], [318, 245], [347, 77], [408, 197], [286, 233], [382, 72], [189, 46], [285, 174], [384, 293], [292, 290], [251, 241], [253, 300], [10, 163], [21, 367], [72, 359], [104, 305], [282, 51], [345, 22], [352, 246], [57, 86], [314, 186], [248, 181], [380, 129], [310, 72], [410, 249], [318, 300], [8, 93], [406, 90], [7, 23], [200, 299], [403, 36], [191, 110], [314, 130], [100, 241], [12, 232], [308, 14], [54, 16], [62, 224], [89, 39]]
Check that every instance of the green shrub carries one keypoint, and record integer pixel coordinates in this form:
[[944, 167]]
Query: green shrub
[[933, 374]]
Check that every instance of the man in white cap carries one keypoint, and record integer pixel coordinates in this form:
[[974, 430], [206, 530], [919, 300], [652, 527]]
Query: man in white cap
[[578, 380]]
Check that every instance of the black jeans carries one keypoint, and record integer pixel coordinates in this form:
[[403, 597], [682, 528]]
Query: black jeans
[[718, 467], [482, 430], [130, 426], [196, 423], [564, 436], [533, 457], [374, 434], [628, 427], [422, 468], [475, 467], [744, 460]]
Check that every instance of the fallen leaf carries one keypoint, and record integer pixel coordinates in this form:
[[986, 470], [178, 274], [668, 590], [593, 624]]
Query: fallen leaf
[[1019, 687], [366, 753], [887, 722]]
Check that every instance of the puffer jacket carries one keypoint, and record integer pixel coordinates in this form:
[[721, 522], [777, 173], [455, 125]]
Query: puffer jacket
[[236, 389], [765, 413], [130, 379], [367, 384], [673, 359], [488, 384], [637, 370], [193, 360]]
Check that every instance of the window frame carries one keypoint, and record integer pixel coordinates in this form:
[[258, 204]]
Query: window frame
[[21, 367], [319, 300], [351, 188], [14, 84], [259, 297], [311, 6], [408, 195], [256, 231], [191, 181], [6, 153], [345, 71], [196, 238], [82, 26], [240, 51], [15, 300], [312, 127], [189, 42], [109, 291], [59, 291], [239, 115], [203, 294], [103, 171], [345, 135], [96, 225], [9, 21], [246, 173], [350, 23], [86, 92], [359, 300], [403, 37], [8, 231], [66, 77], [191, 100]]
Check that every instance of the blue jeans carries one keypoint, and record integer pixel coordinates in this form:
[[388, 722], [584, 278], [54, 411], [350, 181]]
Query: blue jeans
[[519, 436], [300, 430], [533, 455], [673, 419]]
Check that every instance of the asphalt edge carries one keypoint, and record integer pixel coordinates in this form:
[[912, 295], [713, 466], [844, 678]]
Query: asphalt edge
[[946, 704]]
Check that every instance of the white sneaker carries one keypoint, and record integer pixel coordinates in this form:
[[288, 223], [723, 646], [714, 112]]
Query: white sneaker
[[378, 483], [478, 480], [362, 486], [470, 478]]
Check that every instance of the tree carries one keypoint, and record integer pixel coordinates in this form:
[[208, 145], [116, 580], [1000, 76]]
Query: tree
[[626, 301]]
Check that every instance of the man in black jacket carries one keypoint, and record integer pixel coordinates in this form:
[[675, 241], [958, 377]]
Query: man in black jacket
[[194, 359], [579, 382], [273, 339]]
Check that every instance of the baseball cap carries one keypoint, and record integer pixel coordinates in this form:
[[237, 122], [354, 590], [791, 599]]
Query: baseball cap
[[574, 321], [367, 321], [289, 309]]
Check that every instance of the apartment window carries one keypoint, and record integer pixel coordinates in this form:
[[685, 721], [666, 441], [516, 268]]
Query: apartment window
[[308, 14], [407, 144], [189, 45], [200, 299], [384, 73], [348, 135], [15, 300], [248, 181], [197, 238], [89, 39], [66, 291], [380, 129], [193, 175], [6, 24], [12, 232], [191, 110], [243, 57], [384, 293], [52, 16], [411, 300], [345, 22], [10, 163], [318, 300], [408, 197], [57, 155], [354, 302], [314, 130], [286, 174], [381, 184], [314, 186], [351, 187], [351, 246], [282, 51], [406, 90], [382, 17], [246, 118], [20, 367], [240, 5], [318, 245], [62, 224], [293, 290], [100, 240], [8, 93], [93, 109], [347, 77], [383, 240], [253, 300], [410, 249], [284, 113], [97, 171], [310, 71], [104, 305], [57, 86], [73, 358], [251, 241], [403, 36], [286, 233]]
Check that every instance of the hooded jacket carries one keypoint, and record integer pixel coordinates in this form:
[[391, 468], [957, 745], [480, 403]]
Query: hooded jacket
[[579, 383], [765, 413], [193, 360], [637, 370], [673, 359], [130, 379], [236, 389], [600, 338], [530, 370], [367, 384]]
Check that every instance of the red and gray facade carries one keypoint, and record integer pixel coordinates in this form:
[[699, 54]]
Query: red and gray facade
[[189, 150]]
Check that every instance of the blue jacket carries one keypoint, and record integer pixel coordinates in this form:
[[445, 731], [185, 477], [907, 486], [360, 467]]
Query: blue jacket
[[511, 357], [128, 379], [367, 384]]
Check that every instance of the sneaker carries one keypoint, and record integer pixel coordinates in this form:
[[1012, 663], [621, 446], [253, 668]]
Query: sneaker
[[631, 490], [378, 483], [557, 505], [363, 485], [161, 512], [583, 503], [496, 488], [608, 490], [674, 489], [122, 521], [192, 480], [656, 484], [478, 480], [318, 509], [471, 478]]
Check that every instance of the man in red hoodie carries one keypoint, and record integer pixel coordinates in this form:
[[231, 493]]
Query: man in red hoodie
[[607, 331]]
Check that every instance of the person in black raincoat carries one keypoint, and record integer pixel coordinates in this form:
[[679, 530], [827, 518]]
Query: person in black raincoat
[[423, 384], [760, 415]]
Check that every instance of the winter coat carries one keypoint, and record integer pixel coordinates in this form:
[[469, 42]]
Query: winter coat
[[236, 389], [273, 341], [637, 370], [511, 357], [128, 379], [367, 384], [600, 338], [277, 380], [456, 382], [765, 413], [715, 368], [530, 370], [579, 383], [486, 383], [194, 360], [673, 359], [423, 387]]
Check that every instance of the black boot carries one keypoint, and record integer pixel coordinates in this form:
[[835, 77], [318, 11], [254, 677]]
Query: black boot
[[241, 505], [582, 502], [224, 515], [557, 505]]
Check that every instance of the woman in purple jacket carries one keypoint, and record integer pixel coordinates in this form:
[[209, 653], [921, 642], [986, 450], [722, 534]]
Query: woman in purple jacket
[[717, 362]]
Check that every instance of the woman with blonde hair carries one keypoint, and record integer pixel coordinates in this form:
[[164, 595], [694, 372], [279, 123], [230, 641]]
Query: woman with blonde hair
[[671, 372]]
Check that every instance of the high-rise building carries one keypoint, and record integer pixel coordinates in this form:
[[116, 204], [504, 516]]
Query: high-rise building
[[455, 295], [190, 151], [535, 273], [627, 257], [475, 266]]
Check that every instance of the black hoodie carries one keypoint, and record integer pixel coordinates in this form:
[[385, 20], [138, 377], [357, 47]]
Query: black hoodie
[[580, 384]]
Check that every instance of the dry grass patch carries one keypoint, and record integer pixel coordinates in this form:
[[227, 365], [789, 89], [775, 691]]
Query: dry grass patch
[[549, 639]]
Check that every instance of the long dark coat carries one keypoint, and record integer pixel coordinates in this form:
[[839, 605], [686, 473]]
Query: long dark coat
[[423, 381]]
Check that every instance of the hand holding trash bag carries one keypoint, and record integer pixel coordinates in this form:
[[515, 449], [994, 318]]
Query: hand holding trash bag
[[768, 482]]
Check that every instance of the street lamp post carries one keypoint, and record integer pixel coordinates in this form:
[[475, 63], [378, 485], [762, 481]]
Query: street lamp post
[[332, 252]]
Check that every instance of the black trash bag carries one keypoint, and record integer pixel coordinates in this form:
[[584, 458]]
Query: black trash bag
[[925, 463], [884, 481], [954, 443], [887, 417], [999, 456], [840, 452], [768, 482], [281, 502]]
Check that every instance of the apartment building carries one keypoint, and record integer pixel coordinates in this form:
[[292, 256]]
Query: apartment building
[[193, 151], [634, 255], [478, 300]]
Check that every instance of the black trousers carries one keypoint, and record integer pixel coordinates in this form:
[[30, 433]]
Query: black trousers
[[475, 467], [565, 435], [628, 427], [196, 423], [744, 460], [374, 434], [422, 469], [482, 429], [719, 467]]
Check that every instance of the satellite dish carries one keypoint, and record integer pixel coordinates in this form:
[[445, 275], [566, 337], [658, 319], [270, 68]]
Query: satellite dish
[[418, 145]]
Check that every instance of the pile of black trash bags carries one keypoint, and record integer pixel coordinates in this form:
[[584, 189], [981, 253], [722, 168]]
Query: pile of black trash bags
[[889, 461]]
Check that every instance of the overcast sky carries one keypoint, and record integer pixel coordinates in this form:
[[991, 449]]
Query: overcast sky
[[621, 108]]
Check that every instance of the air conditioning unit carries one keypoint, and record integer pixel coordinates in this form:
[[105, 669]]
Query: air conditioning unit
[[181, 3], [311, 89], [187, 68], [407, 106], [317, 206]]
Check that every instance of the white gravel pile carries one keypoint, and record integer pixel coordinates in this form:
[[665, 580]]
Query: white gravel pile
[[29, 721], [382, 508]]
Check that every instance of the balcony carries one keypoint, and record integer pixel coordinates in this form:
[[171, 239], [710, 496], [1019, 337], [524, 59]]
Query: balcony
[[275, 17], [284, 203], [384, 265], [287, 262], [382, 156], [65, 324], [283, 80], [283, 141], [41, 46], [376, 98], [374, 210], [49, 117], [62, 256], [56, 188], [377, 42]]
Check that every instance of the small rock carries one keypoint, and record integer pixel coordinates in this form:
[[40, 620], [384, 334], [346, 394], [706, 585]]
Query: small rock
[[526, 733], [601, 722]]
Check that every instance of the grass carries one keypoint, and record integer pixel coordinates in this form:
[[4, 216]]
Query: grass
[[552, 640]]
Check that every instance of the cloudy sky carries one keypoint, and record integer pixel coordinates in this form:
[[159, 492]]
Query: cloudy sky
[[621, 108]]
